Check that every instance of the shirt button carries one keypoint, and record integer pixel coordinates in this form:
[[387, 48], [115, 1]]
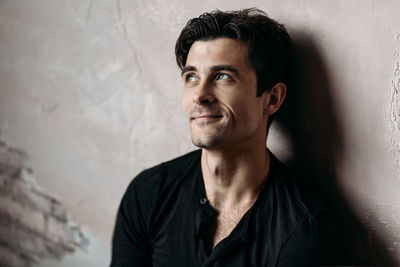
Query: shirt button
[[203, 201]]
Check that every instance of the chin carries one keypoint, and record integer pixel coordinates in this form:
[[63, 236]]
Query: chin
[[207, 141], [209, 137]]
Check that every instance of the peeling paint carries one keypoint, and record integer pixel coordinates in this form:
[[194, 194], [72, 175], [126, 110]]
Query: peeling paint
[[34, 224], [394, 113]]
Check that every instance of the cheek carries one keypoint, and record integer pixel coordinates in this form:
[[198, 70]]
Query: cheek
[[186, 102], [248, 109], [237, 104]]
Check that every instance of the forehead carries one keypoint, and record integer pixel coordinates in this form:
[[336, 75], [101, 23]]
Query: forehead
[[218, 51]]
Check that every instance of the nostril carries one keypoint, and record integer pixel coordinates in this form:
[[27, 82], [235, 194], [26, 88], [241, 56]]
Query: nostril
[[204, 99], [209, 98]]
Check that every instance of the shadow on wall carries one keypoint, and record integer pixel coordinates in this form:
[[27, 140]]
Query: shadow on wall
[[309, 118]]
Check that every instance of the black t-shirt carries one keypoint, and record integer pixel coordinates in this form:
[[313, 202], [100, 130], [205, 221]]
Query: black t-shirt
[[163, 216]]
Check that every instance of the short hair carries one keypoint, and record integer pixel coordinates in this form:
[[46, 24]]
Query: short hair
[[268, 41]]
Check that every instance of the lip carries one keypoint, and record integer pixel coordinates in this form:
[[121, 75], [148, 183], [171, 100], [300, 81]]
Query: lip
[[206, 117]]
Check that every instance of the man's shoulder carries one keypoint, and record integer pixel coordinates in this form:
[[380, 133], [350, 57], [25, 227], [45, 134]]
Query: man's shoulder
[[310, 223], [168, 170], [160, 180], [177, 165], [298, 197]]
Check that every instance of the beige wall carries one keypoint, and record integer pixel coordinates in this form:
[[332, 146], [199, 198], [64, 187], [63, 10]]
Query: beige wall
[[90, 92]]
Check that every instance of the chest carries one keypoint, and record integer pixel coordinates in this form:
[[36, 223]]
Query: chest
[[226, 221], [181, 238]]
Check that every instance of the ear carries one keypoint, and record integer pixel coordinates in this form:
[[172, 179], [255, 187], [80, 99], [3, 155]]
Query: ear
[[274, 97]]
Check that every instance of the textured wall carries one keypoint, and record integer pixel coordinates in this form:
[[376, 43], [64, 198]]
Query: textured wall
[[34, 225], [90, 92]]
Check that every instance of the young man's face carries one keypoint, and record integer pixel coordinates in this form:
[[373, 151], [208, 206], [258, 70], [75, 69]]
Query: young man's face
[[219, 96]]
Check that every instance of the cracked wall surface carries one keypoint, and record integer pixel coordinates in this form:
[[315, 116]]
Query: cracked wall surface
[[394, 111], [90, 91], [33, 224]]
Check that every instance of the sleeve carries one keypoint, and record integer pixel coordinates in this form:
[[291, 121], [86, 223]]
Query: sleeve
[[318, 241], [131, 245]]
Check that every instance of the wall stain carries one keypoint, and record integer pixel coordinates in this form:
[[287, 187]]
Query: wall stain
[[118, 9], [89, 11], [121, 25], [49, 108]]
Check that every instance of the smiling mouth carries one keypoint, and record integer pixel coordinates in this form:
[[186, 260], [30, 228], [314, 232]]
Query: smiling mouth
[[206, 117]]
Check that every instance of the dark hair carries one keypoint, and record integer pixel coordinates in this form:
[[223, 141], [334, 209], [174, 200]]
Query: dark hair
[[268, 41]]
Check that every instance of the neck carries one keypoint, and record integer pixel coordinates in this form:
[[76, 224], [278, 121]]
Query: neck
[[234, 177]]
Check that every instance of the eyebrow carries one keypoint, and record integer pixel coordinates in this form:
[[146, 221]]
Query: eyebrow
[[229, 68], [226, 68], [187, 69]]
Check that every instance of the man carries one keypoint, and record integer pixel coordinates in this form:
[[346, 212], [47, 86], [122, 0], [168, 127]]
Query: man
[[232, 203]]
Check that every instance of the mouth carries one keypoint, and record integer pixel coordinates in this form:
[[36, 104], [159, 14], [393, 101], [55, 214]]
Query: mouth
[[206, 117]]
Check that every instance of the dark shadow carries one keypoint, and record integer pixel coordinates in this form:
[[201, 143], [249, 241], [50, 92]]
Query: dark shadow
[[310, 119]]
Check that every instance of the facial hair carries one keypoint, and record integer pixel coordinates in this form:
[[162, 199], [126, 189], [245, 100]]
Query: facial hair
[[208, 134], [212, 138]]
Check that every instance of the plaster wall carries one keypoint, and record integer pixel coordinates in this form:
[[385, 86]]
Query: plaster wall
[[90, 91]]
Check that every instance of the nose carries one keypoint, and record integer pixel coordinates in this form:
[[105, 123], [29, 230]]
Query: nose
[[203, 94]]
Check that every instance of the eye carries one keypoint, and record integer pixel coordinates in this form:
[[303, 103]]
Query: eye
[[223, 76], [190, 78]]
